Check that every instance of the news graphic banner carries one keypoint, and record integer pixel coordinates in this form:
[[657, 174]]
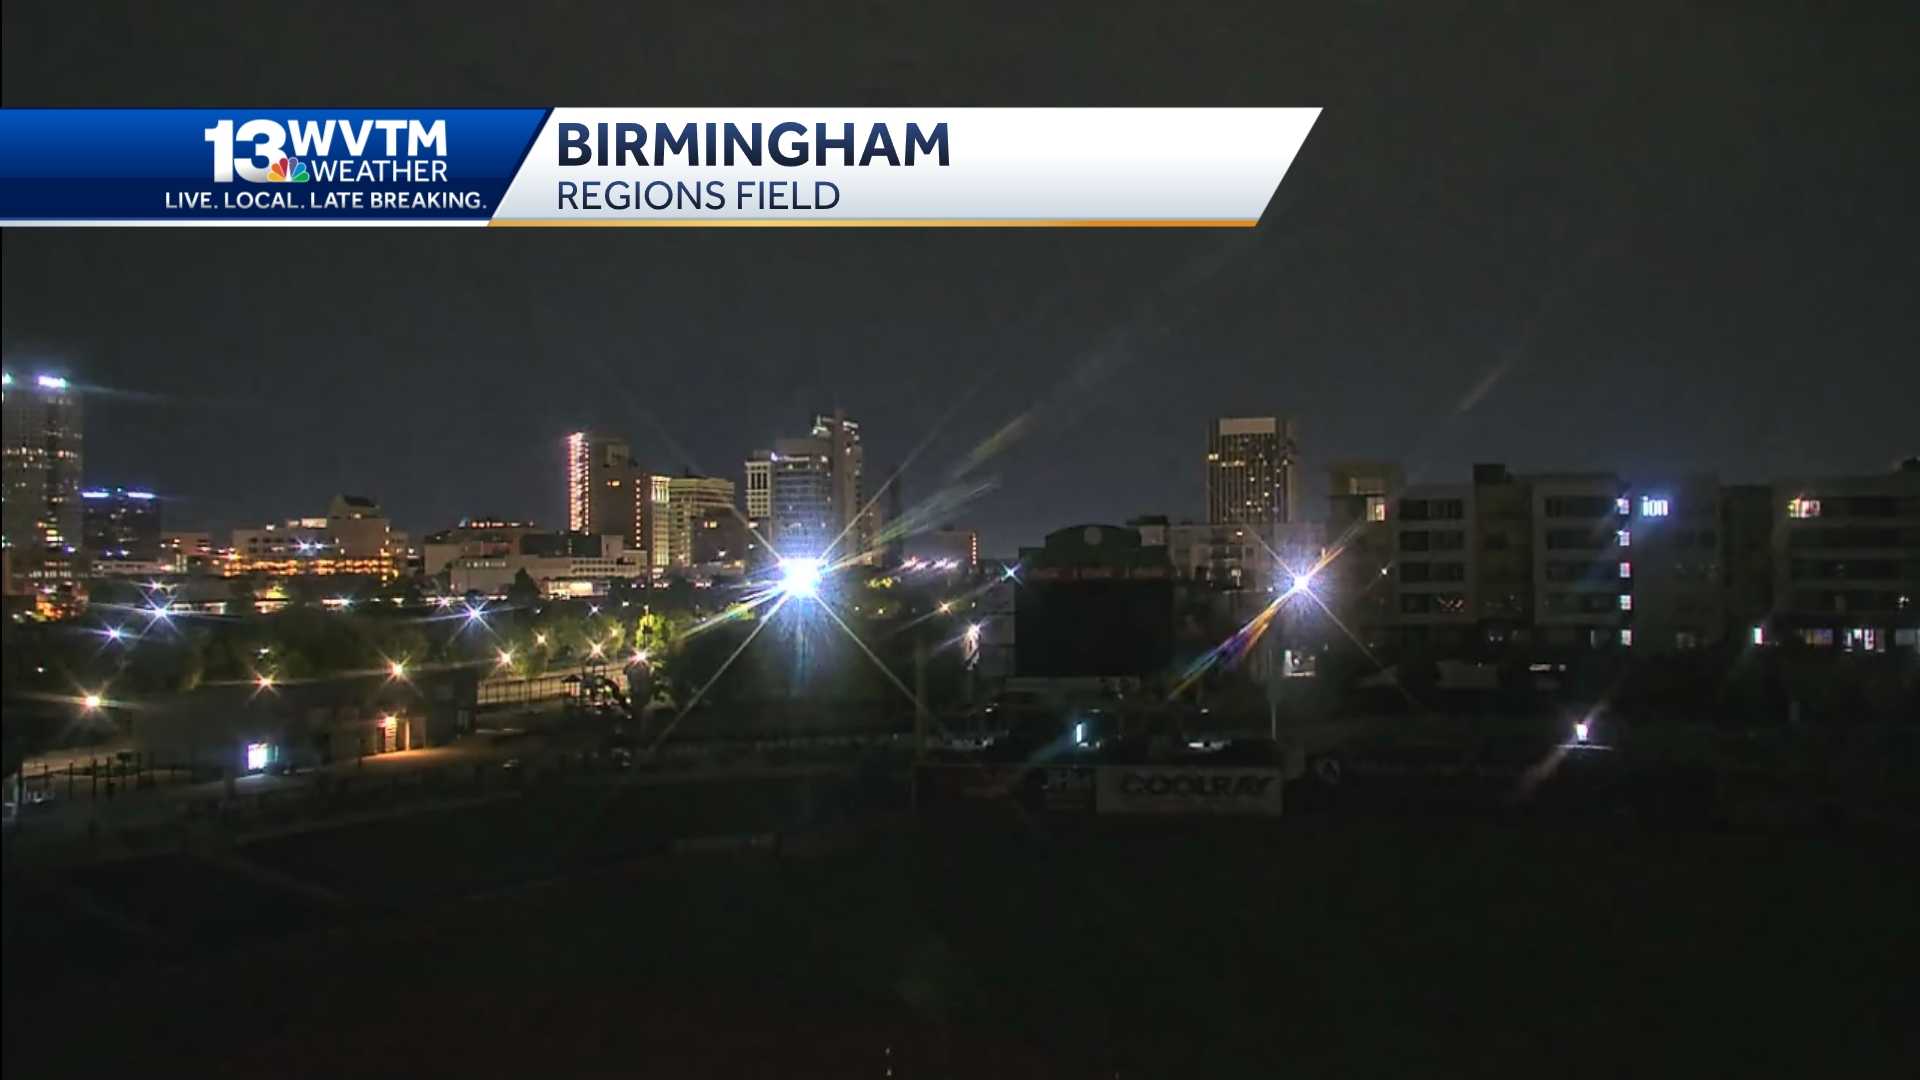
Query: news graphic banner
[[930, 167]]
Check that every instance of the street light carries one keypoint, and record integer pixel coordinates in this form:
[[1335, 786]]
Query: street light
[[800, 578], [396, 669], [264, 682], [506, 657], [92, 702]]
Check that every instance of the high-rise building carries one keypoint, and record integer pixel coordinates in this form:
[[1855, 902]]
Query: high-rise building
[[1251, 471], [120, 525], [760, 490], [689, 498], [40, 504], [601, 499], [853, 521], [801, 508]]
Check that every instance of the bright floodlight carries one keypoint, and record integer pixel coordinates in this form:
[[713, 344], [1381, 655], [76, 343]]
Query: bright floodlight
[[92, 701], [800, 577]]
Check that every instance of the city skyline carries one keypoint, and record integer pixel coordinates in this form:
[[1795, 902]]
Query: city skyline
[[1313, 472]]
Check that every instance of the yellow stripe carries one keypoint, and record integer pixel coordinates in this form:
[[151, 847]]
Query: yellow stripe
[[869, 223]]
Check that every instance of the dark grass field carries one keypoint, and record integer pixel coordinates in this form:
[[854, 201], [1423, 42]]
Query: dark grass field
[[1390, 945]]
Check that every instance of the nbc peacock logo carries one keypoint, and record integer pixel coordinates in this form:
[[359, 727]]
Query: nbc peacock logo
[[289, 170]]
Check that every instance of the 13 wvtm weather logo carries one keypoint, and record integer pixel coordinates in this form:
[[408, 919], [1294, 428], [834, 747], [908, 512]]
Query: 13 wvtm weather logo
[[233, 166]]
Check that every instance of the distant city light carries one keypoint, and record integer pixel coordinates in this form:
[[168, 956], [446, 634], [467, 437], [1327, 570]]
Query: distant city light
[[114, 633], [443, 601], [475, 613], [52, 382], [800, 577]]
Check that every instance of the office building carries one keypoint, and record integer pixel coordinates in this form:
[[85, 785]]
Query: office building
[[801, 510], [722, 542], [1675, 535], [1251, 471], [562, 565], [120, 525], [1846, 562], [853, 522], [760, 490], [689, 499], [1357, 583], [40, 488], [354, 537], [472, 538]]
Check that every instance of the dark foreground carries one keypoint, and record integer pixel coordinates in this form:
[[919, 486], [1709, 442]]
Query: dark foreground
[[566, 935]]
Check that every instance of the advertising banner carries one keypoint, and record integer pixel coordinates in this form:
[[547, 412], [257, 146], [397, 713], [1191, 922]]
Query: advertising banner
[[1174, 790]]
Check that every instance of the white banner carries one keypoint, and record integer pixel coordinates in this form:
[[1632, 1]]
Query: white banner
[[905, 167]]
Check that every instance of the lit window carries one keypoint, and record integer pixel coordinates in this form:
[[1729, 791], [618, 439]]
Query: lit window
[[1819, 635], [1759, 635], [1803, 508], [1626, 570], [258, 755], [1626, 638], [1623, 506], [1626, 601], [1376, 508], [1623, 537]]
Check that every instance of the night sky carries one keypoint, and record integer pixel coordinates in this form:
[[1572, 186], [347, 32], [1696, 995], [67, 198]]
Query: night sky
[[1652, 237]]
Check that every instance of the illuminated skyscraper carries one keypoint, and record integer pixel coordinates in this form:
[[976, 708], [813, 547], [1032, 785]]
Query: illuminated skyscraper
[[41, 497], [602, 499], [1251, 467]]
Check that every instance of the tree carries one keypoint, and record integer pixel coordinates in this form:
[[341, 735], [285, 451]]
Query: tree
[[524, 593]]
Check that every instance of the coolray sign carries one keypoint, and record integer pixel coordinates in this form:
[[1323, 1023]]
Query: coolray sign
[[1173, 790], [647, 166]]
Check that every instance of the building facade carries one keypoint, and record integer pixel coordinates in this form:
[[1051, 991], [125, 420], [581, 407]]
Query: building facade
[[1846, 561], [120, 525], [40, 505], [689, 499], [354, 537], [1251, 471]]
